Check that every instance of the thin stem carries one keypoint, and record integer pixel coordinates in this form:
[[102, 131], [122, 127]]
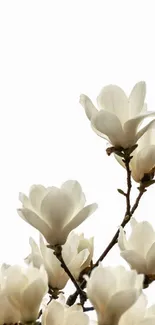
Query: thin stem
[[85, 309], [58, 253]]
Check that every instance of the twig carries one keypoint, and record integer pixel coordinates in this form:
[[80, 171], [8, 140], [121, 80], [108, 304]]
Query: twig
[[128, 214], [85, 309], [58, 253]]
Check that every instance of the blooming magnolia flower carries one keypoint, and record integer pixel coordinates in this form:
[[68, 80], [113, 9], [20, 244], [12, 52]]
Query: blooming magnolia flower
[[119, 117], [55, 212], [143, 162], [56, 313], [112, 291], [138, 314], [139, 249], [8, 313], [77, 253], [25, 289]]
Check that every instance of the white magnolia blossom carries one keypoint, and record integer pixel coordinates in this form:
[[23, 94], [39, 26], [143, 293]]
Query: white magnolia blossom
[[57, 313], [9, 314], [143, 162], [77, 254], [55, 211], [139, 249], [119, 118], [112, 290], [138, 314], [25, 289]]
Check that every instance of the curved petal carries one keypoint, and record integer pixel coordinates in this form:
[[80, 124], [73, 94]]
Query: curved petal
[[53, 314], [136, 313], [80, 217], [89, 107], [36, 195], [74, 190], [113, 99], [122, 241], [150, 259], [145, 161], [76, 318], [136, 261], [119, 303], [25, 201], [142, 230], [108, 124], [130, 127], [34, 220], [136, 98], [144, 129], [57, 207], [76, 265]]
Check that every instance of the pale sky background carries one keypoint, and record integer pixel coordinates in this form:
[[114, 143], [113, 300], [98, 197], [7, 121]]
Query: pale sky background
[[50, 53]]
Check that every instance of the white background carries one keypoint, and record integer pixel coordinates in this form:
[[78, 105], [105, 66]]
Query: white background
[[50, 53]]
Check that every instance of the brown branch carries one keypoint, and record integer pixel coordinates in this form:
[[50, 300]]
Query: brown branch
[[80, 292], [128, 214]]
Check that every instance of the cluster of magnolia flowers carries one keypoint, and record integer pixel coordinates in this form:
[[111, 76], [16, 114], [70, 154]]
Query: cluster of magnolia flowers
[[34, 293]]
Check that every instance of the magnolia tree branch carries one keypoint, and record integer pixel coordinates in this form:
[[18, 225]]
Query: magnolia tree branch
[[128, 214], [80, 292]]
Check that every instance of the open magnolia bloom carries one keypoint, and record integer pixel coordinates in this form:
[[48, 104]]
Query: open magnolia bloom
[[9, 314], [25, 289], [77, 254], [57, 313], [55, 211], [119, 118], [138, 314], [139, 249], [143, 162], [112, 290]]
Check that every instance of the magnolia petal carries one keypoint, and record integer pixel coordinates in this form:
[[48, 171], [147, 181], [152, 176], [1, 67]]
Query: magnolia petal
[[108, 124], [76, 265], [142, 230], [36, 195], [25, 201], [74, 190], [135, 314], [89, 107], [133, 223], [145, 161], [113, 99], [122, 241], [136, 261], [56, 208], [118, 304], [76, 318], [80, 217], [150, 259], [145, 128], [136, 98], [34, 220], [31, 299], [53, 314], [130, 127], [34, 246]]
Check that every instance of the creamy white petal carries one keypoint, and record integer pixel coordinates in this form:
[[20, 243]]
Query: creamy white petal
[[53, 314], [145, 161], [135, 314], [108, 124], [113, 99], [136, 98], [76, 265], [89, 107], [34, 220], [150, 259], [80, 217], [122, 241], [74, 190], [76, 318], [36, 195], [119, 303], [136, 261], [145, 129], [25, 201], [142, 230], [56, 208]]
